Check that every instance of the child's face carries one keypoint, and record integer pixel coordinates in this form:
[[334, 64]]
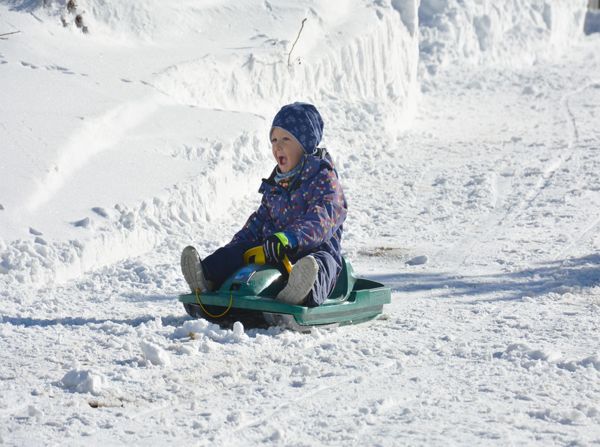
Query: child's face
[[286, 149]]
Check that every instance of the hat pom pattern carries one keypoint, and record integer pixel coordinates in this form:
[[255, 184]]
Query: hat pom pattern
[[304, 122]]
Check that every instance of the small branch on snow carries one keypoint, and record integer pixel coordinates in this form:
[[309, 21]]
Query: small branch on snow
[[294, 44], [8, 34]]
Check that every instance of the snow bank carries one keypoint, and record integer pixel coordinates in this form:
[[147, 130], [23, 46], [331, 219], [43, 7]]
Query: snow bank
[[237, 57], [344, 53], [486, 31], [279, 52], [131, 230]]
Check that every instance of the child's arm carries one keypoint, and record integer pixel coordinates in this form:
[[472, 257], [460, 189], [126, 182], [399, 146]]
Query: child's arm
[[325, 214], [252, 230]]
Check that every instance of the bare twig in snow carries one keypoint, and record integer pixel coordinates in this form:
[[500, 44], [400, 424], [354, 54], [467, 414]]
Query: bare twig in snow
[[8, 34], [294, 44]]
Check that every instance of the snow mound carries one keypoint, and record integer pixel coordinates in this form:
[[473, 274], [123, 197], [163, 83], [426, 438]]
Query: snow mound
[[507, 33], [83, 381], [527, 357], [154, 353], [561, 416]]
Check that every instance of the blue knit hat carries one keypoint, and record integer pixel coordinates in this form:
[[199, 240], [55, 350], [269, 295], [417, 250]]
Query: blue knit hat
[[304, 122]]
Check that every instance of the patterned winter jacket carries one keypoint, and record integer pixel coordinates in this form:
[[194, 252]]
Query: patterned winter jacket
[[312, 209]]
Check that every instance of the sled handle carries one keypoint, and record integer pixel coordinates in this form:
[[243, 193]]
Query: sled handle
[[256, 255], [287, 264]]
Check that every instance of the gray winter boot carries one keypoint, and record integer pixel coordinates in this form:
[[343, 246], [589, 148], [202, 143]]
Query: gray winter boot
[[302, 278], [191, 267]]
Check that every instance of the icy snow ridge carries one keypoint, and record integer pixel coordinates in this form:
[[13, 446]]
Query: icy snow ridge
[[370, 58], [508, 33]]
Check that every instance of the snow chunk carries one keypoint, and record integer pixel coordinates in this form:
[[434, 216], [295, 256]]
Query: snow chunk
[[83, 381], [197, 329], [238, 330], [155, 354], [191, 328]]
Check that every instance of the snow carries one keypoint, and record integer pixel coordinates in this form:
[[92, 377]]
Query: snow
[[504, 33], [155, 354], [466, 137], [82, 382]]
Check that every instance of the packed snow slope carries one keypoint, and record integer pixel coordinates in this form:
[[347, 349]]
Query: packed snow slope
[[465, 134], [177, 134]]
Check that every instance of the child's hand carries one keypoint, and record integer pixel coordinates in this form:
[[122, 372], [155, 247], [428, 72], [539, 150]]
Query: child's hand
[[276, 247]]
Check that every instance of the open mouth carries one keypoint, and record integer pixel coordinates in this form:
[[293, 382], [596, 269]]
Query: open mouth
[[281, 160]]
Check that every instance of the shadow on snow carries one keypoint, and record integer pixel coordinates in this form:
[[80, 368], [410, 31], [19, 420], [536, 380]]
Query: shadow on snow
[[556, 276], [73, 321]]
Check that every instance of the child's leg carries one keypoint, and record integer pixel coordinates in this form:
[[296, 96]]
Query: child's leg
[[224, 262], [329, 271]]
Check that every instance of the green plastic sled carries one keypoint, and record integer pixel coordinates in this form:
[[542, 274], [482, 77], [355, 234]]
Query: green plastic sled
[[249, 295]]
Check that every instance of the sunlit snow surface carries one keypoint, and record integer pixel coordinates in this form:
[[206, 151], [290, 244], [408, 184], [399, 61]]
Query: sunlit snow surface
[[466, 137]]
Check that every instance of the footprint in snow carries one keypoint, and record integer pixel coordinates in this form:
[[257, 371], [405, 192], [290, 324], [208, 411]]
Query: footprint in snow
[[63, 70], [418, 260], [28, 64], [35, 232], [100, 211], [83, 223]]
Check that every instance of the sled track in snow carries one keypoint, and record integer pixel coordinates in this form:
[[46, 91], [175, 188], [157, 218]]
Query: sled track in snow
[[263, 422], [596, 223], [496, 220]]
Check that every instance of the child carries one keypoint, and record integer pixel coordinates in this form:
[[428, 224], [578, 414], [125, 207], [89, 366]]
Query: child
[[301, 215]]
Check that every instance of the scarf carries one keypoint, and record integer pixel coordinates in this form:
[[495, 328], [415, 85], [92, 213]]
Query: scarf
[[285, 178]]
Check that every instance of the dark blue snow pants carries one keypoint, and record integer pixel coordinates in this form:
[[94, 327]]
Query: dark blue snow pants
[[226, 260]]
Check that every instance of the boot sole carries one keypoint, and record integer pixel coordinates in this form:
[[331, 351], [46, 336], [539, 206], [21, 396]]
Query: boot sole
[[302, 278], [189, 262]]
